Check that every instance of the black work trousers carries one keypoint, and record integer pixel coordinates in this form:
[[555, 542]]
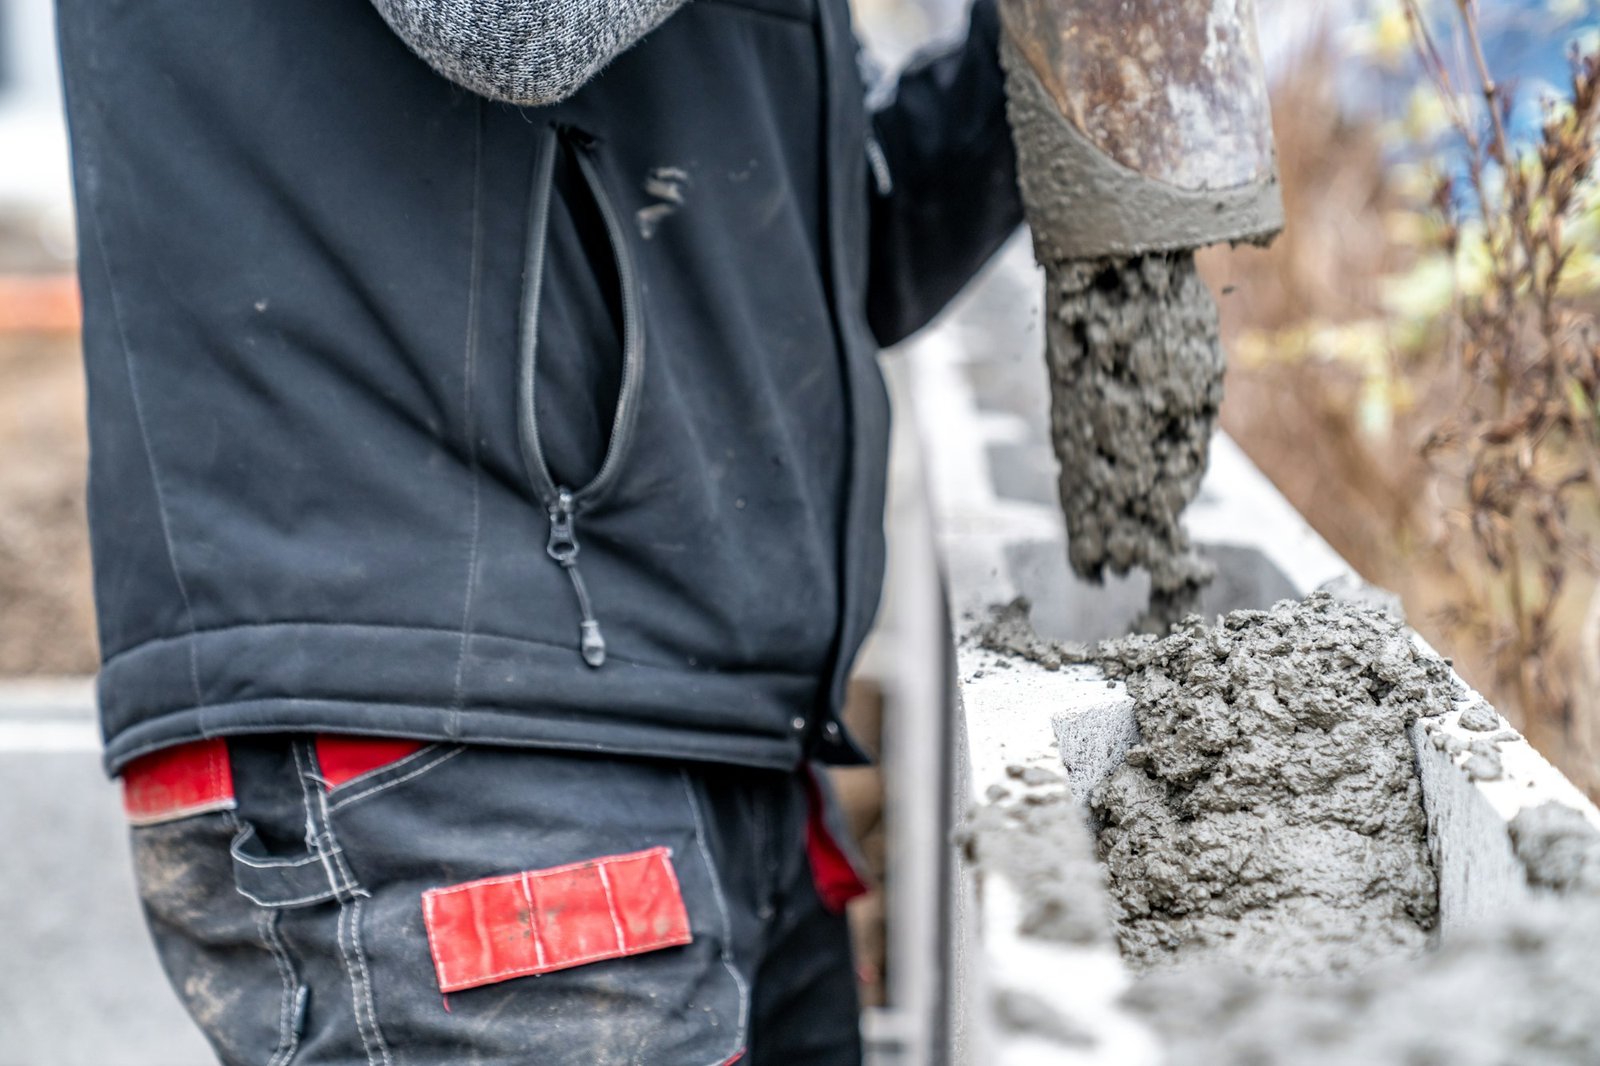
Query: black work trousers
[[470, 904]]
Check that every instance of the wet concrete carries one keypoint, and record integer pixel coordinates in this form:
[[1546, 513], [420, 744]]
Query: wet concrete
[[1118, 194], [1519, 991], [1265, 846], [1039, 842], [1271, 814], [1069, 608], [1559, 850], [1135, 383]]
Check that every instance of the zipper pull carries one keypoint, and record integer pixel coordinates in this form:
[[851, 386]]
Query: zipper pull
[[563, 548]]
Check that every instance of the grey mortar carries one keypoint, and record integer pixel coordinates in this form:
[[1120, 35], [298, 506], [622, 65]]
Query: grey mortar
[[1136, 370], [1479, 717], [1521, 991], [1040, 843], [1008, 631], [1484, 764], [1558, 848], [1271, 814], [1023, 1012]]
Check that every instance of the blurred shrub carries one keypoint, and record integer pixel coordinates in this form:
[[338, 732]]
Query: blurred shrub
[[1416, 361]]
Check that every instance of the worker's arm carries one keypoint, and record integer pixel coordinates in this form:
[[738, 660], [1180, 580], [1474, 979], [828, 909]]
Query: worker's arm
[[947, 198], [526, 52]]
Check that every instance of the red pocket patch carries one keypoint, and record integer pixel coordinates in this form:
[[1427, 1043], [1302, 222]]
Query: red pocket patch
[[538, 921]]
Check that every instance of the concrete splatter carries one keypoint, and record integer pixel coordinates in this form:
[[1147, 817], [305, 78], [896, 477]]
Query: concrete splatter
[[666, 185], [1558, 848]]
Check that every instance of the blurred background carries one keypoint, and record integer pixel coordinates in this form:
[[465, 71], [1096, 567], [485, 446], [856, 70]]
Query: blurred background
[[1414, 363]]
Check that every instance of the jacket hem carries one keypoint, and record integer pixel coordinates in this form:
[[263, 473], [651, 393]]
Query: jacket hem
[[422, 683], [447, 725]]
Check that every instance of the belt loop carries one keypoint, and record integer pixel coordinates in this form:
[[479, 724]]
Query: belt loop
[[315, 875]]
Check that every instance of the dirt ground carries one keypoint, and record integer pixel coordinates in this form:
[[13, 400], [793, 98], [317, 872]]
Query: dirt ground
[[46, 610]]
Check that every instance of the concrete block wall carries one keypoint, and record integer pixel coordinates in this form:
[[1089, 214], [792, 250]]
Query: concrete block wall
[[978, 389]]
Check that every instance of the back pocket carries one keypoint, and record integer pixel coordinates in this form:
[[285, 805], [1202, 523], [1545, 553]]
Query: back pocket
[[540, 921]]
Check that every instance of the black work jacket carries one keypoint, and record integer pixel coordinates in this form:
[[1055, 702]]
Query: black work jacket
[[415, 413]]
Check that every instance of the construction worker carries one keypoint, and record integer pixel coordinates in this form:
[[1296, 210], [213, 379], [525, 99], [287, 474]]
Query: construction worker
[[488, 459]]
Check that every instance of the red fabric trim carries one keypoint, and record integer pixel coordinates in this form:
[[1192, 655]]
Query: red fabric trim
[[538, 921], [737, 1055], [343, 758], [832, 872], [177, 782]]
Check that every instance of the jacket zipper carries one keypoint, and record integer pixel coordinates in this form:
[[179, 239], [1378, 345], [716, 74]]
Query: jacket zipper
[[563, 503], [564, 550], [834, 165]]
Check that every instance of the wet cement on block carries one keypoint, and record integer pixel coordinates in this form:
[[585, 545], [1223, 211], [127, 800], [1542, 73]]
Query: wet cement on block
[[1135, 385], [1559, 849], [1040, 843], [1032, 832], [1307, 705], [1523, 993], [1523, 990], [1271, 814]]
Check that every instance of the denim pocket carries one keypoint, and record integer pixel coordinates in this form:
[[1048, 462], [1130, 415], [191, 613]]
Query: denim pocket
[[381, 777], [575, 904]]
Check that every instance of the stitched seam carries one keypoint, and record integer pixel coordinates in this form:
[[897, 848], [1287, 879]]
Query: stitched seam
[[335, 852], [433, 944], [179, 813], [519, 740], [288, 1040], [611, 905], [315, 897], [570, 867], [722, 906], [577, 960], [247, 832], [470, 423], [533, 922], [326, 837], [275, 864], [312, 623], [355, 992], [418, 772], [144, 437], [367, 775], [314, 833], [366, 979]]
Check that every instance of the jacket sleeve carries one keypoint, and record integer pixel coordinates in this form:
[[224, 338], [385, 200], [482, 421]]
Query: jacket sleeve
[[945, 190], [525, 52]]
